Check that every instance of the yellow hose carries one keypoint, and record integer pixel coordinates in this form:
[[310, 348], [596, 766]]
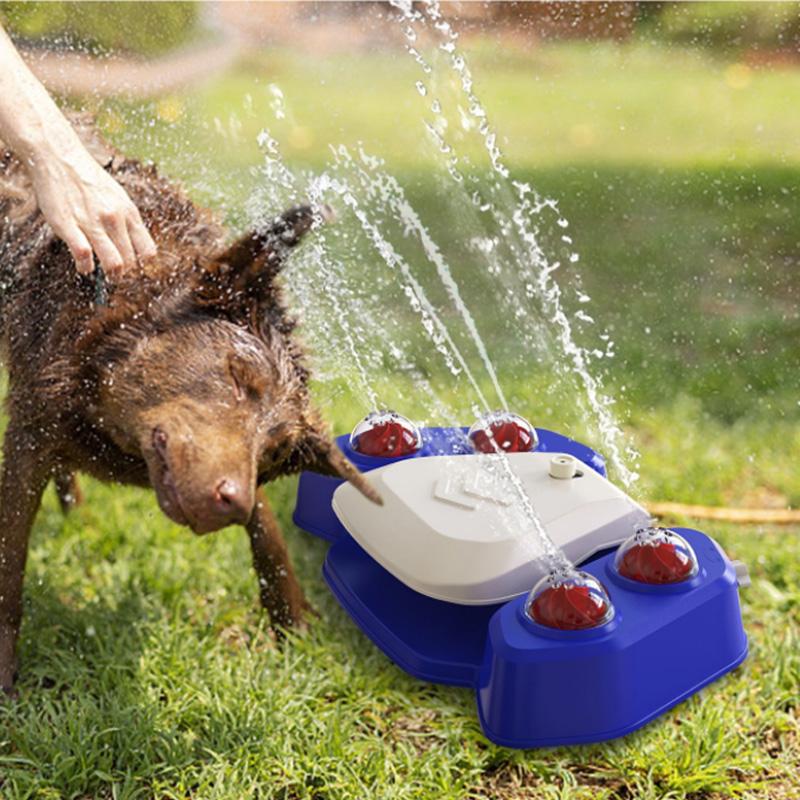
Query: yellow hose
[[771, 516]]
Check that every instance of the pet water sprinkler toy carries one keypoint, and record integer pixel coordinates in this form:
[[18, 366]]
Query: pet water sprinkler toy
[[635, 620]]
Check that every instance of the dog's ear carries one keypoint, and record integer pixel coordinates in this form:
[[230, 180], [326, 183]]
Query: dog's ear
[[245, 270]]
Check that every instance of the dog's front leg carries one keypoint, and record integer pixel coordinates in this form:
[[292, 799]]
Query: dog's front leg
[[280, 592], [25, 473]]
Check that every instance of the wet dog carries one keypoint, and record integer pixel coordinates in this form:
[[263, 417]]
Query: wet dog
[[188, 379]]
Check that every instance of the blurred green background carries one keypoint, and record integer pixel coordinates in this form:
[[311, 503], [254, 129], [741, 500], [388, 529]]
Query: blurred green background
[[668, 135], [102, 27]]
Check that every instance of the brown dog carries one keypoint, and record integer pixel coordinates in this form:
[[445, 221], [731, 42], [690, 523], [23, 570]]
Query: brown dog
[[188, 380]]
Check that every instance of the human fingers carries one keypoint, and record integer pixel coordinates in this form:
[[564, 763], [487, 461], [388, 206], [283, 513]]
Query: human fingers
[[143, 243], [116, 229], [110, 258], [80, 248]]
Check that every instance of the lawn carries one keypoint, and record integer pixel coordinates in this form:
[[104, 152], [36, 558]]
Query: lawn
[[147, 669]]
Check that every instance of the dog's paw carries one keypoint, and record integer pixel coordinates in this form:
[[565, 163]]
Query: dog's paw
[[295, 623]]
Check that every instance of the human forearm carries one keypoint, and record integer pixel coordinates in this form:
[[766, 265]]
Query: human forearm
[[30, 122]]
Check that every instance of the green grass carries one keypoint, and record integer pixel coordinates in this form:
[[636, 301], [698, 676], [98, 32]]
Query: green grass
[[148, 670], [552, 104]]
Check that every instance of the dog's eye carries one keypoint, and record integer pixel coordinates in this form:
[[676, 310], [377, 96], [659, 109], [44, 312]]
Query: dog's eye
[[244, 391], [238, 389], [248, 384]]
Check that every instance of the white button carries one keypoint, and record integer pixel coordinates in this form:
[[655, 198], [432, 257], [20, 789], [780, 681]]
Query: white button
[[562, 467]]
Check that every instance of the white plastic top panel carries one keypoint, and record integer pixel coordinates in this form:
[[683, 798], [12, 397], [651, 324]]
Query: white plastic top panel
[[455, 527]]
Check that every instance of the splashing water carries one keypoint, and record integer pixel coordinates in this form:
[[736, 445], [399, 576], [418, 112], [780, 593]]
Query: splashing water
[[395, 198], [341, 306], [524, 203], [328, 278]]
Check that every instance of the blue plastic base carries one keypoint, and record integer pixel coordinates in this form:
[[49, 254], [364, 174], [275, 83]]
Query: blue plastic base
[[535, 686], [430, 639], [539, 687]]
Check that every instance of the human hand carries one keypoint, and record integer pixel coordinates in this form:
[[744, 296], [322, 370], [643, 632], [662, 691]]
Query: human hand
[[90, 211], [82, 203]]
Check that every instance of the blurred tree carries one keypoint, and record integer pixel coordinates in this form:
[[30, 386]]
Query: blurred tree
[[141, 28], [552, 20], [731, 26]]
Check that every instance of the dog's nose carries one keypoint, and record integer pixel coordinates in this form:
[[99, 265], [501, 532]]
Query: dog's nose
[[232, 502]]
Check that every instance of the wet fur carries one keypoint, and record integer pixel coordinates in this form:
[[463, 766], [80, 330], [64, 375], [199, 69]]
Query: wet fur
[[63, 354]]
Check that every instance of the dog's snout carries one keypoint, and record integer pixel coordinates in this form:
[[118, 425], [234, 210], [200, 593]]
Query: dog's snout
[[191, 488], [232, 501]]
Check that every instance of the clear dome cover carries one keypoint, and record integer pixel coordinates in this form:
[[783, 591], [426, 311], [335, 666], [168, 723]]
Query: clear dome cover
[[504, 432], [657, 556], [569, 600], [386, 434]]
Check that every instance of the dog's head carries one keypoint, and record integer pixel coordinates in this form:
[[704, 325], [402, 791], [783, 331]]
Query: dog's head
[[213, 394]]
